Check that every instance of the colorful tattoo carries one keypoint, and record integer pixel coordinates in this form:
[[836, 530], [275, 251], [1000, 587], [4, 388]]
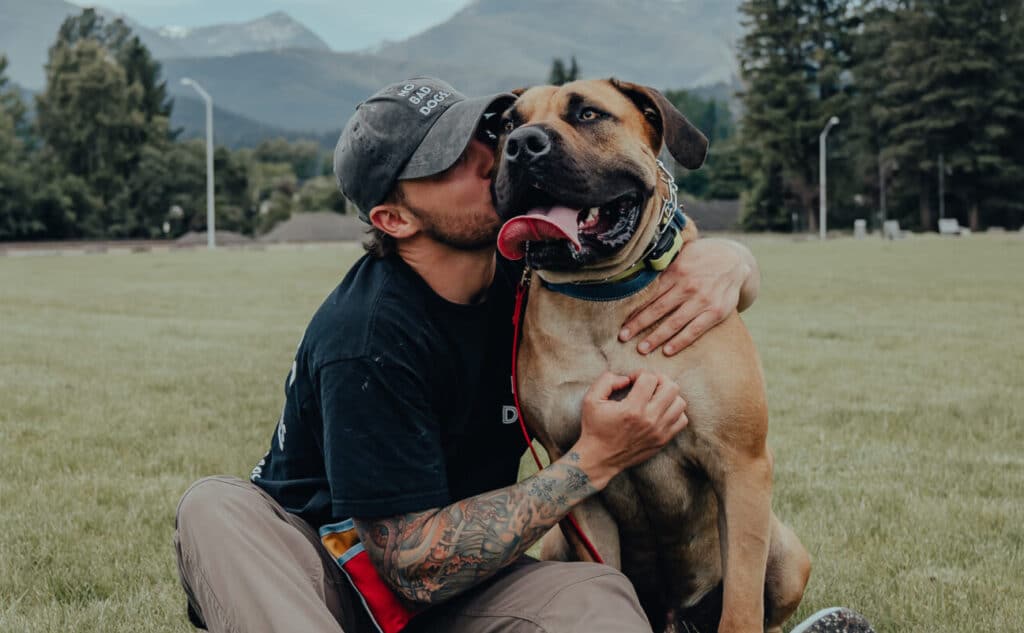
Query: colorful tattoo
[[429, 557]]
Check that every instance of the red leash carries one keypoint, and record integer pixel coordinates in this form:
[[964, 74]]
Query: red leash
[[517, 319]]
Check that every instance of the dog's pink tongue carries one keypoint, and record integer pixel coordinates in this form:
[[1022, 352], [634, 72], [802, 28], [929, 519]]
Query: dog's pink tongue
[[556, 223]]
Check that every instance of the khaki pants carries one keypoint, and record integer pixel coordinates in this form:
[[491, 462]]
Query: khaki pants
[[248, 566]]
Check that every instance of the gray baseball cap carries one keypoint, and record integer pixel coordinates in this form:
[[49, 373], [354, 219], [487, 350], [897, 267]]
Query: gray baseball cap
[[411, 129]]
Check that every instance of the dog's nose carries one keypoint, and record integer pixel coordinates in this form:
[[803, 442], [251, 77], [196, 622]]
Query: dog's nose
[[527, 144]]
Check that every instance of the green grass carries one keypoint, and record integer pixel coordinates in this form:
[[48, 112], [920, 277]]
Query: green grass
[[895, 375]]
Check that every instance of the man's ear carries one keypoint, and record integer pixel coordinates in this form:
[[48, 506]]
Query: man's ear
[[394, 220], [684, 141]]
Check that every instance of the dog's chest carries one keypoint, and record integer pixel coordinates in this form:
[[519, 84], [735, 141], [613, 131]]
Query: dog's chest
[[557, 364], [567, 344]]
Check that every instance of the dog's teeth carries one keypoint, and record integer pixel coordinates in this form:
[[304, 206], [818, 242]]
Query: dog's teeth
[[591, 218]]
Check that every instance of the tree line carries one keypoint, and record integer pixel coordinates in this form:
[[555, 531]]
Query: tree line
[[100, 159], [924, 89]]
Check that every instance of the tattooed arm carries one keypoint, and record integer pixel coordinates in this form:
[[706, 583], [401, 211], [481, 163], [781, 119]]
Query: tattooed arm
[[429, 557]]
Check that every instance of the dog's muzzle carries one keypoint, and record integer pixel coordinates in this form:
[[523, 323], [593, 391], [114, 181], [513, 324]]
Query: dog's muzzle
[[578, 234]]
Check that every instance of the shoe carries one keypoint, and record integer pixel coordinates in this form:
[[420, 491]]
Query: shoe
[[834, 620]]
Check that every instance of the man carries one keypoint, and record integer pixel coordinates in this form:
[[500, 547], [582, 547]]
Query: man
[[398, 415]]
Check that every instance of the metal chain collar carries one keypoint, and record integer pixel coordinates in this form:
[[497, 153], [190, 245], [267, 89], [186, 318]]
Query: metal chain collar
[[668, 207]]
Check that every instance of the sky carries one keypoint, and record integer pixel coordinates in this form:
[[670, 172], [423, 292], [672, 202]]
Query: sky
[[346, 25]]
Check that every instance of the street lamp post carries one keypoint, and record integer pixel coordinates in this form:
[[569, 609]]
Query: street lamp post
[[834, 121], [211, 241]]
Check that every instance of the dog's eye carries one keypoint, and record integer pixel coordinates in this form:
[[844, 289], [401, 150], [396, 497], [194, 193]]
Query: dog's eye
[[508, 125], [589, 114]]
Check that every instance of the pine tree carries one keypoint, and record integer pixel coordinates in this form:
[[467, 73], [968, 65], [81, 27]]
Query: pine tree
[[947, 87], [102, 108], [10, 101], [131, 54], [1011, 106], [558, 75], [793, 60], [85, 119], [16, 186]]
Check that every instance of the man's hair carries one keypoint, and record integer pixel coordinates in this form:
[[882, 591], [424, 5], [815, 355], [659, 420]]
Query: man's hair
[[378, 243]]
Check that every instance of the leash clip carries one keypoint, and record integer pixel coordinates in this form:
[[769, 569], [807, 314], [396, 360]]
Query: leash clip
[[524, 279]]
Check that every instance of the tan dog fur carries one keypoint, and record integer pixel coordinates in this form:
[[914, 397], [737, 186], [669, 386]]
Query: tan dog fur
[[698, 513]]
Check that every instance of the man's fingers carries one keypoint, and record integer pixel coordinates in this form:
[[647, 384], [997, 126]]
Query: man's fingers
[[671, 326], [642, 390], [664, 396], [642, 318], [681, 423], [607, 384], [674, 416], [704, 322]]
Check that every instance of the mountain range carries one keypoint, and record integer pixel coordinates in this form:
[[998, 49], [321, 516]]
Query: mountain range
[[663, 43], [28, 29], [278, 75]]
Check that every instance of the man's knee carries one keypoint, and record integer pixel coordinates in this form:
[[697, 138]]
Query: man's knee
[[591, 579], [209, 502], [597, 594]]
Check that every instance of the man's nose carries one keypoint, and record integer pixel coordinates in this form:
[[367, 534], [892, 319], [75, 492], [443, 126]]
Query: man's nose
[[527, 144]]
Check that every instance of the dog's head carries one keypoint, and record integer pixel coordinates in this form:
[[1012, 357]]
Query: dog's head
[[578, 182]]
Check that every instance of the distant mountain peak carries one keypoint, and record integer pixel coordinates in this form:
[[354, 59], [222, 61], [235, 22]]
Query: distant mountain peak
[[279, 15], [273, 31], [174, 32]]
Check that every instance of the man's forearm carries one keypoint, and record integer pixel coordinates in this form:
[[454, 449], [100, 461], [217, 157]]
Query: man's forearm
[[432, 556], [752, 283]]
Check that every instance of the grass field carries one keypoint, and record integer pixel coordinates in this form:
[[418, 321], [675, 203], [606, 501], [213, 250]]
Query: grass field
[[896, 386]]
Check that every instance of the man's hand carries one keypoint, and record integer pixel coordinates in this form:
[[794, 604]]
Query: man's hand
[[616, 434], [707, 281]]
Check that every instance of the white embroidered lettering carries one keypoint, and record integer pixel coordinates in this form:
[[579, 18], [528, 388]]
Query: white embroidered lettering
[[433, 102], [509, 415]]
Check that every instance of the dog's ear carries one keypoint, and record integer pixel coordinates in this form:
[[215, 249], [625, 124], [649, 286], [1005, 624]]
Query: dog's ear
[[519, 91], [685, 142]]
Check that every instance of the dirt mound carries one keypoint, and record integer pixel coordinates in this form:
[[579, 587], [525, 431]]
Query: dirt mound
[[714, 215], [317, 226], [223, 238]]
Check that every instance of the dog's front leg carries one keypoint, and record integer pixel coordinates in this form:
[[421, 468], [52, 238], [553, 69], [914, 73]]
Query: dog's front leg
[[599, 527], [744, 526]]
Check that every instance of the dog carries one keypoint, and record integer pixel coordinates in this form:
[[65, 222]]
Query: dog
[[587, 203]]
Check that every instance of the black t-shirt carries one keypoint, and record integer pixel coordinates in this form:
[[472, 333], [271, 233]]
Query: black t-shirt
[[397, 400]]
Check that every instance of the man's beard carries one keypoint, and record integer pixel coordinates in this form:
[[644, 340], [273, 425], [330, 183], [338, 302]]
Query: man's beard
[[459, 235]]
